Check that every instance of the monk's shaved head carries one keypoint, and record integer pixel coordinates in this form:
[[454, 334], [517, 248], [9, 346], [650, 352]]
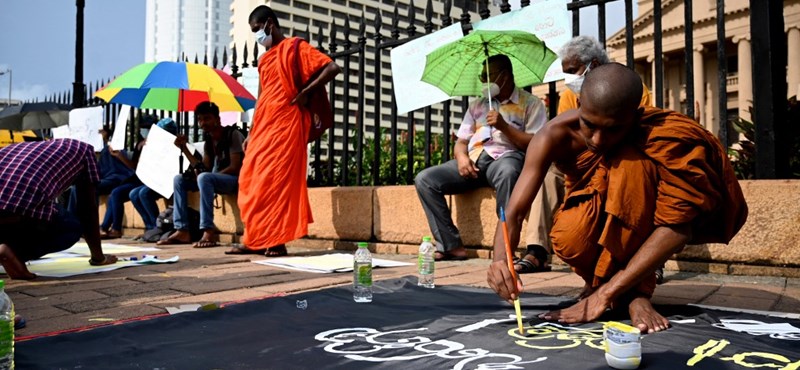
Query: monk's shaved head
[[612, 89]]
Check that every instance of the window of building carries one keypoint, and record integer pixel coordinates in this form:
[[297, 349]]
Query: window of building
[[301, 5]]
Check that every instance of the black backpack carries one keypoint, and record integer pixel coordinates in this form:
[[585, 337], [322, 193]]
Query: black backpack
[[165, 226]]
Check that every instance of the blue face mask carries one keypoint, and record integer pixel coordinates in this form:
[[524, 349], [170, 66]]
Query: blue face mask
[[144, 132], [263, 38]]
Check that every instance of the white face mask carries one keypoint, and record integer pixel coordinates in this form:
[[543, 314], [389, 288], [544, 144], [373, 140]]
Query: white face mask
[[575, 82], [491, 91], [264, 39]]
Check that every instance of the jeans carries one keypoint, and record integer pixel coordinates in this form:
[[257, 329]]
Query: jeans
[[435, 182], [208, 184], [31, 239], [144, 200], [115, 206]]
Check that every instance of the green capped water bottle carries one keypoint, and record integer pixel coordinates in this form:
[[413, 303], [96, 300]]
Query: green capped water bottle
[[425, 263], [362, 274], [6, 329]]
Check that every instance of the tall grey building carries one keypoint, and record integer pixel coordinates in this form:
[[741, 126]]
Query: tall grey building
[[190, 28]]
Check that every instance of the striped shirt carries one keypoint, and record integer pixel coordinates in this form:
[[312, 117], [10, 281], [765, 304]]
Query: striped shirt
[[33, 174]]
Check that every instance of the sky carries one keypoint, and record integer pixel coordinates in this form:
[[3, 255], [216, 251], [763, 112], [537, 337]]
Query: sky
[[38, 38]]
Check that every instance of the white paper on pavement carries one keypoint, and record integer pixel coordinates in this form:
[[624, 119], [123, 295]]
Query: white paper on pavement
[[159, 161], [326, 263], [200, 147], [249, 80], [85, 125], [118, 138], [408, 63], [549, 20]]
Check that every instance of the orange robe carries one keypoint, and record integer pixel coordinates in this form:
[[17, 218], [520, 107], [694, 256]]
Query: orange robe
[[273, 197], [670, 171]]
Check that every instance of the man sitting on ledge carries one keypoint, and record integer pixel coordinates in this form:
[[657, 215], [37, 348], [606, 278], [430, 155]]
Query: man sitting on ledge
[[32, 176], [641, 184]]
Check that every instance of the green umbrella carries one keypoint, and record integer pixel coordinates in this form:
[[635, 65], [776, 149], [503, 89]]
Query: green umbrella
[[454, 68]]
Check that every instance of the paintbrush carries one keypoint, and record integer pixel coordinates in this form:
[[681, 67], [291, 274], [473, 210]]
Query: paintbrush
[[510, 259]]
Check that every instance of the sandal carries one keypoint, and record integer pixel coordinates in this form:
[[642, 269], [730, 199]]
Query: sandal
[[527, 266], [205, 243], [447, 256], [241, 249], [276, 251]]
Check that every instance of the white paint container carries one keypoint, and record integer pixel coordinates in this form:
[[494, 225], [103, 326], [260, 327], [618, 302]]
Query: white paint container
[[623, 345]]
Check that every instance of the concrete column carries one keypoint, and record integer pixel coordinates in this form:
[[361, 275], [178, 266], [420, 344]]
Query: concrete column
[[793, 41], [700, 88], [745, 75], [652, 60]]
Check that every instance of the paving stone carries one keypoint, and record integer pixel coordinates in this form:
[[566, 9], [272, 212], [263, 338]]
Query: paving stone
[[47, 290], [202, 287], [685, 291], [57, 299], [42, 313], [216, 297], [732, 301], [131, 300], [662, 300], [750, 291], [788, 304]]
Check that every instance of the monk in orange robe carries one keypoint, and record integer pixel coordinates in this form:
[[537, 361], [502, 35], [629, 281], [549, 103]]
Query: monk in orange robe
[[273, 197], [641, 184]]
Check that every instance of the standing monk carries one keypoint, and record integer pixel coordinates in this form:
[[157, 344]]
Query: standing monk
[[641, 184], [273, 196]]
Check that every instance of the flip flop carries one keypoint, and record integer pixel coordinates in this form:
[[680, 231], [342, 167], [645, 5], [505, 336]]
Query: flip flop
[[240, 249], [205, 243], [169, 241], [527, 267], [277, 251], [446, 256]]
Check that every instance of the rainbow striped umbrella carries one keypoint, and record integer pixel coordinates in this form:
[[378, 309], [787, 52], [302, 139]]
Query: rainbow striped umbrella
[[176, 86]]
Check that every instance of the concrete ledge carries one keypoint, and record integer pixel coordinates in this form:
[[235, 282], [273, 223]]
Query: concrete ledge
[[392, 219], [343, 213]]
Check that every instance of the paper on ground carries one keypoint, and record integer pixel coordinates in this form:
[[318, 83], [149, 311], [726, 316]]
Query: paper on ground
[[159, 161], [121, 127], [328, 263], [408, 64], [71, 266], [82, 249]]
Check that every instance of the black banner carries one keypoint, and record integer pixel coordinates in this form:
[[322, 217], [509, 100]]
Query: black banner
[[407, 327]]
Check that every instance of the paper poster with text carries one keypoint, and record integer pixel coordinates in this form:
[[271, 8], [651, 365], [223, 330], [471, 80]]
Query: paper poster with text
[[85, 125], [160, 161]]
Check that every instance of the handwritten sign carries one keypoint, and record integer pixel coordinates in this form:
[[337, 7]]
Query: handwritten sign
[[408, 63], [85, 125], [118, 138], [549, 20], [160, 161], [249, 80]]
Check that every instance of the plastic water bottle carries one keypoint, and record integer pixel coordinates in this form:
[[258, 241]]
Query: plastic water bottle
[[425, 263], [362, 275], [6, 329]]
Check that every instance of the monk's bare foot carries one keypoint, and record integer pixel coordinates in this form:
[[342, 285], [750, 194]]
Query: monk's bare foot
[[586, 310], [587, 291], [13, 266], [645, 317]]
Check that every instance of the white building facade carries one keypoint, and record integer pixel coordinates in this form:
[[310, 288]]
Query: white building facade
[[186, 29]]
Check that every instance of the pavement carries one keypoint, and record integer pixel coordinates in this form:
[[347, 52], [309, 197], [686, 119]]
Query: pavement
[[204, 276]]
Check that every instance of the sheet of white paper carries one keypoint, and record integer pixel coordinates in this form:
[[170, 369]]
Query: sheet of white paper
[[200, 147], [82, 249], [118, 138], [549, 20], [159, 161], [64, 267], [183, 308], [408, 63], [249, 80], [328, 263], [85, 125], [60, 132]]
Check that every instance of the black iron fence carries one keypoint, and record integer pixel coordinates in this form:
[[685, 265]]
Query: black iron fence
[[370, 147]]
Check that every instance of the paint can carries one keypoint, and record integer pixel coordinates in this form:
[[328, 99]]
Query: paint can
[[623, 345]]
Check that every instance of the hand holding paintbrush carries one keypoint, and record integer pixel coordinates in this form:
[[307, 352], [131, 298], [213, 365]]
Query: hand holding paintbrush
[[514, 277]]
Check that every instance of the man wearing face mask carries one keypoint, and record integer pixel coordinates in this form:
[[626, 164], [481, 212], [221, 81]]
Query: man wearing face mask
[[273, 197], [578, 57], [489, 151], [642, 183]]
